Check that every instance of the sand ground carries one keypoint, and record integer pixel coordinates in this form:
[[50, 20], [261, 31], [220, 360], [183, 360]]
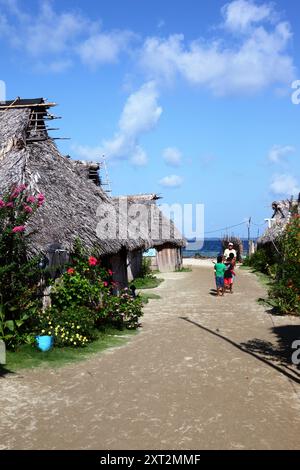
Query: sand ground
[[203, 373]]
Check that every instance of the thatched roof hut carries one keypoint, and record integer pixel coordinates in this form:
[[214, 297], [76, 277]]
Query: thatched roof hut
[[282, 211], [29, 155], [160, 229]]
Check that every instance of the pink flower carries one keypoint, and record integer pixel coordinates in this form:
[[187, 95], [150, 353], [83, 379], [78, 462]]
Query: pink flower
[[2, 203], [93, 261], [110, 272], [31, 199], [19, 228], [41, 199], [9, 204], [28, 209], [71, 271], [17, 191], [105, 284]]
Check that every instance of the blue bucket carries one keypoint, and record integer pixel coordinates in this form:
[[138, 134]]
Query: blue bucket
[[44, 343]]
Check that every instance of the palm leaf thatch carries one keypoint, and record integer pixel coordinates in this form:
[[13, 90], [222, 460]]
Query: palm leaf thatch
[[70, 209], [282, 211]]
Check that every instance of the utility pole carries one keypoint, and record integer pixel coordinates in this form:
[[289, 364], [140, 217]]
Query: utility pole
[[248, 225]]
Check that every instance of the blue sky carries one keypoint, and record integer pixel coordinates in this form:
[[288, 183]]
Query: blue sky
[[190, 99]]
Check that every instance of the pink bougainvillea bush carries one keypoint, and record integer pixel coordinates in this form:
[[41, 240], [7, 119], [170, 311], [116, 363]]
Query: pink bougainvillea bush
[[19, 275]]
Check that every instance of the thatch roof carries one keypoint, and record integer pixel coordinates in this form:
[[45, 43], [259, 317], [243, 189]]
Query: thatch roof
[[88, 170], [159, 229], [72, 200], [282, 211]]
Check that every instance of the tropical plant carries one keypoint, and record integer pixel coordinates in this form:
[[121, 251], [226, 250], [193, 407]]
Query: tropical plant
[[121, 311], [262, 260], [285, 291], [83, 283], [74, 327], [19, 276]]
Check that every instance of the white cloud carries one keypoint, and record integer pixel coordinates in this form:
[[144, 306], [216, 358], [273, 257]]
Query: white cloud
[[279, 152], [172, 156], [140, 114], [139, 157], [87, 152], [141, 111], [258, 58], [285, 185], [104, 47], [60, 36], [46, 31], [240, 14], [171, 181]]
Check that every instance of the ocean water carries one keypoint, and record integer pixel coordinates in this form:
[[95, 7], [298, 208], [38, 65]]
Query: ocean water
[[211, 248]]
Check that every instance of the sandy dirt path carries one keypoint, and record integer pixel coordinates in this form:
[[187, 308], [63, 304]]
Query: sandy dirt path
[[203, 373]]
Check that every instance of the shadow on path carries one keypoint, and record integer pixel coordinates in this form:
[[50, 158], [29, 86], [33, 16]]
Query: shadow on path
[[247, 350], [4, 371], [282, 351]]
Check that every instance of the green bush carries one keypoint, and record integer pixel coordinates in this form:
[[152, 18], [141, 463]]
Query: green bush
[[83, 283], [284, 297], [73, 290], [284, 293], [261, 260], [122, 311], [146, 267], [74, 326], [82, 300]]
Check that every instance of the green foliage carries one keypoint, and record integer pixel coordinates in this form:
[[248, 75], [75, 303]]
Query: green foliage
[[73, 290], [83, 283], [19, 277], [146, 267], [284, 293], [261, 260], [148, 282], [123, 310], [74, 327], [184, 269], [28, 356], [283, 268], [146, 296], [83, 300]]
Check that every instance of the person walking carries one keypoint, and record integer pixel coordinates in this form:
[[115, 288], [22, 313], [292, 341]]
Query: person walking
[[220, 269]]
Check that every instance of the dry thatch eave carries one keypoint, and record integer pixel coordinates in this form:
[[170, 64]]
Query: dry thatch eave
[[160, 230], [279, 220]]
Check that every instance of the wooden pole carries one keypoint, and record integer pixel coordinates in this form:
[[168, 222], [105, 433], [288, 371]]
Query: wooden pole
[[249, 249]]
